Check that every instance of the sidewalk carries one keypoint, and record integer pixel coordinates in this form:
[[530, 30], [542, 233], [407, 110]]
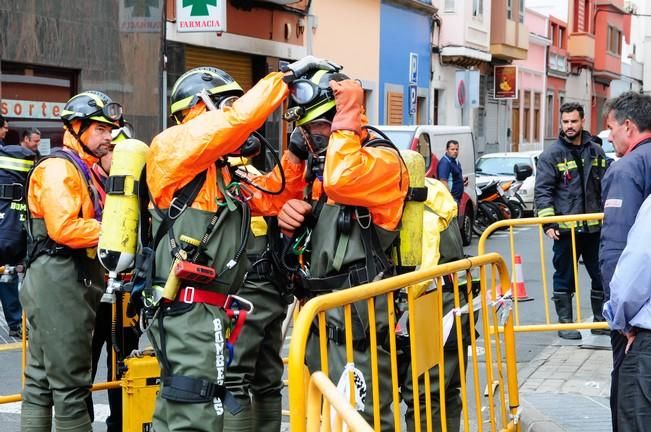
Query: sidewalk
[[567, 387]]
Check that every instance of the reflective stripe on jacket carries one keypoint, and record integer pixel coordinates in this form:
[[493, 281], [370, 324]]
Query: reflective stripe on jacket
[[561, 189]]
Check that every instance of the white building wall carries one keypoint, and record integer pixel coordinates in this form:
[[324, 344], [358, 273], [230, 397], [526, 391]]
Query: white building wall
[[579, 89]]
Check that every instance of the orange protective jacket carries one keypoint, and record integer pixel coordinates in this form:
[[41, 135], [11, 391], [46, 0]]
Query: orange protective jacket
[[371, 177], [57, 194], [181, 152]]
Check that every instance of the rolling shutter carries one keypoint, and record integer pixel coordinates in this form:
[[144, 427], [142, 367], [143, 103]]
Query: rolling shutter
[[235, 64], [394, 108]]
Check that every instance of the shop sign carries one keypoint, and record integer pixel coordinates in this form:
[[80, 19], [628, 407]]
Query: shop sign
[[140, 16], [200, 15], [31, 109], [506, 82]]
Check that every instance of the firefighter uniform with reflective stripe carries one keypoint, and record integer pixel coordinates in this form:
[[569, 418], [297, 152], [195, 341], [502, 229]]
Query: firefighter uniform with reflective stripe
[[193, 345], [568, 181]]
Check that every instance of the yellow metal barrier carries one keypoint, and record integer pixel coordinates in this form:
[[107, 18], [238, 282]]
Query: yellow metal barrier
[[539, 222], [500, 398], [321, 388]]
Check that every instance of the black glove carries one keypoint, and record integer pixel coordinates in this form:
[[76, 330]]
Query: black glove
[[306, 64], [297, 144]]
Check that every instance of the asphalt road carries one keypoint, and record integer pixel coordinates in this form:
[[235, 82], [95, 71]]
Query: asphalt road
[[528, 344]]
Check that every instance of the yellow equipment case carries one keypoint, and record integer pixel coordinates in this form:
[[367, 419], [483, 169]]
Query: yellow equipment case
[[140, 385]]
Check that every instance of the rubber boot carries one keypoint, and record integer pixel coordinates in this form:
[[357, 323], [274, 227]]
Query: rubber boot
[[597, 302], [35, 418], [267, 414], [79, 424], [563, 302], [243, 421]]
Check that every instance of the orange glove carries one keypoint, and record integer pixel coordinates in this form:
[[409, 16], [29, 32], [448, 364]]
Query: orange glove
[[349, 98]]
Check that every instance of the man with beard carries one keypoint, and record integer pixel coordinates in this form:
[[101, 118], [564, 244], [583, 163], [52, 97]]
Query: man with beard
[[568, 181]]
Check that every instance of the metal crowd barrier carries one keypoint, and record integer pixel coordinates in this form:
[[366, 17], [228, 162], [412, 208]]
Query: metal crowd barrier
[[567, 221], [488, 394]]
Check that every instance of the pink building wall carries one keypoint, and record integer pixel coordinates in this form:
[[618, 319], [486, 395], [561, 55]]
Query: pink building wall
[[532, 76]]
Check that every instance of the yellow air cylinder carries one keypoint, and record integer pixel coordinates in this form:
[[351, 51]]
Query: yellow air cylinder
[[118, 239], [411, 226]]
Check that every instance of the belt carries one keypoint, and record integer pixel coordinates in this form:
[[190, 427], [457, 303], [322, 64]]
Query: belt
[[196, 295], [354, 277], [338, 336]]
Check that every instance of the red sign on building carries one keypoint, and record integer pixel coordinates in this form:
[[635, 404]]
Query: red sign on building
[[506, 82]]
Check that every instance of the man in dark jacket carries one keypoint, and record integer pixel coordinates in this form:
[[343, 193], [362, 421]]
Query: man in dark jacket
[[568, 181], [625, 187]]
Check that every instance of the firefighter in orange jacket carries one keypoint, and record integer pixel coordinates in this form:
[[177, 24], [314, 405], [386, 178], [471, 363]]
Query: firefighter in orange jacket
[[343, 230], [201, 216], [64, 280]]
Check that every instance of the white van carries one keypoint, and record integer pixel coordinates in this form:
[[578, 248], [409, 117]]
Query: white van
[[430, 141]]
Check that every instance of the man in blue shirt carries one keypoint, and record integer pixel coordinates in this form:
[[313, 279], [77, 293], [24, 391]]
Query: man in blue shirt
[[449, 171], [626, 184], [629, 312]]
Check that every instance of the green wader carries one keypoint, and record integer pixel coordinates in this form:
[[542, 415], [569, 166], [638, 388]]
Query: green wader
[[324, 254], [60, 312], [255, 375], [193, 341], [450, 249]]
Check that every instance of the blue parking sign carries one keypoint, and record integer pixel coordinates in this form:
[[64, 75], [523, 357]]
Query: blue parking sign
[[412, 99]]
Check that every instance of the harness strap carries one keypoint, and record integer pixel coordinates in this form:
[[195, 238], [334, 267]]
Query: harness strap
[[351, 278], [196, 295], [185, 389], [338, 336], [12, 192]]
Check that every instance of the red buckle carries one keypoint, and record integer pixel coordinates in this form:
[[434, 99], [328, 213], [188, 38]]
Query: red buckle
[[196, 295]]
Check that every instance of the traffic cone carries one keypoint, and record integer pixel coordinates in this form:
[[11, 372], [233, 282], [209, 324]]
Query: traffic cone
[[518, 288]]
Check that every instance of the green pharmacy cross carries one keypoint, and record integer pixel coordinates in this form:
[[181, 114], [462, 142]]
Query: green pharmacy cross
[[199, 7]]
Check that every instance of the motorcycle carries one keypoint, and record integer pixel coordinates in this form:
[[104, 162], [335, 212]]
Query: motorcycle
[[513, 198], [498, 200], [491, 206]]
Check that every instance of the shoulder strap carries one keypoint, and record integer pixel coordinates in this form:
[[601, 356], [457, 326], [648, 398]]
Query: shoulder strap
[[183, 198]]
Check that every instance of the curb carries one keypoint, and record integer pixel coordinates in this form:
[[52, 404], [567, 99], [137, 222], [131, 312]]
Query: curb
[[532, 420]]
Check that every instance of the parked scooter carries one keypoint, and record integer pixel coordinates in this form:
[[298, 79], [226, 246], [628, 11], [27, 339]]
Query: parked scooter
[[495, 202]]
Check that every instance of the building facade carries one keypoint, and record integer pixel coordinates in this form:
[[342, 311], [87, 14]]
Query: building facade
[[455, 53], [347, 33], [405, 61], [509, 42], [529, 109], [50, 51]]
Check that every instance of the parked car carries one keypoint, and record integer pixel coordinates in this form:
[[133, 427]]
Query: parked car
[[499, 166], [430, 142], [607, 145]]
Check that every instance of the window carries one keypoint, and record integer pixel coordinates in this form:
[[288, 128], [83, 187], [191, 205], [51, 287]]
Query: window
[[549, 115], [614, 41], [521, 4], [561, 35], [586, 16], [509, 9], [527, 117], [478, 8], [437, 96], [554, 35], [448, 6], [536, 116]]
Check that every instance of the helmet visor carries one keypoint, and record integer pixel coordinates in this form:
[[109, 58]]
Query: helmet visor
[[304, 91], [227, 102], [125, 132], [112, 112]]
